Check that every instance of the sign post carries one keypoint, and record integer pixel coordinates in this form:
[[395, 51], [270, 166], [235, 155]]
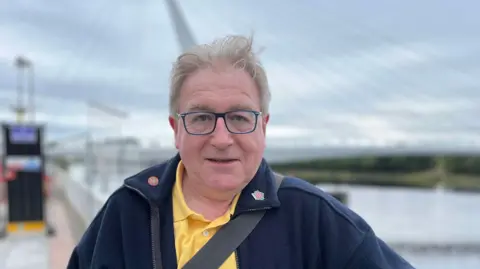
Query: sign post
[[24, 169]]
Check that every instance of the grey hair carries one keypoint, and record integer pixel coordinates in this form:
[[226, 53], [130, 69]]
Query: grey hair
[[234, 50]]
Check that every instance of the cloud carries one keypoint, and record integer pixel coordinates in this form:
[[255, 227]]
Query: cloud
[[425, 106], [339, 74]]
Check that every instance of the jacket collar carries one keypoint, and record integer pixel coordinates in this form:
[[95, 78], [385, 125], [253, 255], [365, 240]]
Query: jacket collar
[[156, 185]]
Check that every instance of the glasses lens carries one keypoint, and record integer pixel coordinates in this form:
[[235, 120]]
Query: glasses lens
[[199, 122], [240, 121]]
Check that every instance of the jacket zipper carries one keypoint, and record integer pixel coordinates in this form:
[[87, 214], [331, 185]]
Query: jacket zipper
[[253, 210], [237, 260], [154, 229]]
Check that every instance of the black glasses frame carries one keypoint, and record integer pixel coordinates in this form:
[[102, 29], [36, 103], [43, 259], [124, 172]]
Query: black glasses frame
[[219, 115]]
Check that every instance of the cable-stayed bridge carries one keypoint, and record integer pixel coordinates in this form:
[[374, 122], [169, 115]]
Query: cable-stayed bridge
[[423, 219]]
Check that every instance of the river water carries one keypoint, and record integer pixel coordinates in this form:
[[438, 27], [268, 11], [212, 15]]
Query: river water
[[430, 218], [439, 261]]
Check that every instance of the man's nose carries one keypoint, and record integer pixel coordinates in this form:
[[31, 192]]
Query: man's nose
[[221, 137]]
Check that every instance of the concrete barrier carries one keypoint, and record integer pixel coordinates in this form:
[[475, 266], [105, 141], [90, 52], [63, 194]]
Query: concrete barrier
[[82, 205]]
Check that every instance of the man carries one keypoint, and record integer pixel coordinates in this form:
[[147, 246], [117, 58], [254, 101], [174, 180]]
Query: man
[[162, 216]]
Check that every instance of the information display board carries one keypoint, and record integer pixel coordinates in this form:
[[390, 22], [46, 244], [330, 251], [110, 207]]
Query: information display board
[[23, 168]]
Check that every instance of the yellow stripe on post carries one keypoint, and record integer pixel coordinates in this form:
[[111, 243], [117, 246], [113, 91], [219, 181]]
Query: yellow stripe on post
[[27, 226]]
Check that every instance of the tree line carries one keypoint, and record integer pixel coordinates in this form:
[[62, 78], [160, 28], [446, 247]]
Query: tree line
[[468, 165]]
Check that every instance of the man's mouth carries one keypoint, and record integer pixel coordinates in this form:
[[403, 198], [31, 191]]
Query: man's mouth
[[221, 160]]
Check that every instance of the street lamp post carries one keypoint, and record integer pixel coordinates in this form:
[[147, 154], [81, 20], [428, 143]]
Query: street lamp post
[[23, 64], [31, 93]]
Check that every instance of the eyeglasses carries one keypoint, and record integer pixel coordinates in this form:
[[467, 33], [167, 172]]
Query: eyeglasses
[[204, 123]]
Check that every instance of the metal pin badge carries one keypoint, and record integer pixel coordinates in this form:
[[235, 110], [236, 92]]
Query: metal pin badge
[[153, 181], [258, 195]]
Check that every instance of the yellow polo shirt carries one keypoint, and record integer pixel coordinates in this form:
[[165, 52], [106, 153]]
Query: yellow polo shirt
[[192, 230]]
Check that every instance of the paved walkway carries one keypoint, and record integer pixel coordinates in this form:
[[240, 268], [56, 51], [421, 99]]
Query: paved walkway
[[24, 252], [62, 244], [27, 251]]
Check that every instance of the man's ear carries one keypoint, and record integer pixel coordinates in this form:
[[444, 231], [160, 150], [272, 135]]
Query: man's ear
[[174, 124], [265, 119]]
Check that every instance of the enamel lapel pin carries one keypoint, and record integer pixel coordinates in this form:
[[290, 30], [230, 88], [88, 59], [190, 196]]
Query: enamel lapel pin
[[258, 195]]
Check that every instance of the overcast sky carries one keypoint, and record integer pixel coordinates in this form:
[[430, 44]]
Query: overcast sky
[[363, 72]]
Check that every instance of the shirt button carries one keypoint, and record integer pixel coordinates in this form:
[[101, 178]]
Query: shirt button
[[206, 233]]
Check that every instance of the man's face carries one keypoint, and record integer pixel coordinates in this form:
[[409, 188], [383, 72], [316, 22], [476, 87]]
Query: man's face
[[220, 91]]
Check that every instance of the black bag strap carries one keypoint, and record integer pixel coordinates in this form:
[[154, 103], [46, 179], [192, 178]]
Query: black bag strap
[[214, 253]]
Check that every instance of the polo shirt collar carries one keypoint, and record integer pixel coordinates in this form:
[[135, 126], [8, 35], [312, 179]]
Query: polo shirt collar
[[259, 194]]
